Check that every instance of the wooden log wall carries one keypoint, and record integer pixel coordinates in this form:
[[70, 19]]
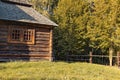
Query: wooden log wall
[[39, 50]]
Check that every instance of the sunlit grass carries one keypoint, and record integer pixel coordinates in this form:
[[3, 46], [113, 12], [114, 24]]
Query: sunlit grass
[[45, 70]]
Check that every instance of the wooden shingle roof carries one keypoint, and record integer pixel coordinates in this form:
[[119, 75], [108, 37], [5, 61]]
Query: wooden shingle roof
[[19, 2], [22, 13]]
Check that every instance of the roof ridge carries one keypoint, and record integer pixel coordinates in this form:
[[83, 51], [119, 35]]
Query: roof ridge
[[18, 2]]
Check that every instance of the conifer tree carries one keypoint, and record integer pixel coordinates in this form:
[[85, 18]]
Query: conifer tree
[[105, 29], [45, 7], [72, 17]]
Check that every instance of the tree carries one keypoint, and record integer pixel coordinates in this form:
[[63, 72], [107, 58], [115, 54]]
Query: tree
[[104, 28], [72, 19], [45, 7]]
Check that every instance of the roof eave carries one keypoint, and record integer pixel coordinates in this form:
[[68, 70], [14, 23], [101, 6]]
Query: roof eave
[[55, 25]]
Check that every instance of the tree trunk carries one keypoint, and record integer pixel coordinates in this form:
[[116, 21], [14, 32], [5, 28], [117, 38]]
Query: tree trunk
[[110, 56]]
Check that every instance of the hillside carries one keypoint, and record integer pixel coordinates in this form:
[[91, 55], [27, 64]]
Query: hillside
[[57, 71]]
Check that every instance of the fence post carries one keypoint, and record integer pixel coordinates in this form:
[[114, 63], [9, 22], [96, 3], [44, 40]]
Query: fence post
[[90, 59], [118, 58], [110, 56], [67, 57]]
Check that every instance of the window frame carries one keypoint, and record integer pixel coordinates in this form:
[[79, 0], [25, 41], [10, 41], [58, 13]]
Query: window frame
[[22, 29]]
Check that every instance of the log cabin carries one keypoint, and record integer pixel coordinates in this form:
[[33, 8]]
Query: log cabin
[[25, 34]]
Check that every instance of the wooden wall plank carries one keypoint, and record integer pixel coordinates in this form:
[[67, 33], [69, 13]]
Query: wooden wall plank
[[25, 49], [50, 45], [41, 46]]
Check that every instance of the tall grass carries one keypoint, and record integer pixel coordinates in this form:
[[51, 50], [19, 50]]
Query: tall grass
[[45, 70]]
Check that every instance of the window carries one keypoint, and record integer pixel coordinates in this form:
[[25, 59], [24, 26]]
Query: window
[[15, 35], [21, 35]]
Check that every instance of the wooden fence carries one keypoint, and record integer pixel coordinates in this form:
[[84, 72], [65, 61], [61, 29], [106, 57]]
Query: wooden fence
[[98, 59]]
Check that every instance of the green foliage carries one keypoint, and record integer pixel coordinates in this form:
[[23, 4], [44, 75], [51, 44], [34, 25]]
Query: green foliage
[[45, 7], [57, 71], [105, 22], [72, 19], [85, 25]]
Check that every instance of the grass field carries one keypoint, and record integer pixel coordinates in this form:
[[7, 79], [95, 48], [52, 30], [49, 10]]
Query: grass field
[[45, 70]]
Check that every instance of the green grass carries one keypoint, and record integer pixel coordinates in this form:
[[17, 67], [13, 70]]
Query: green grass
[[45, 70]]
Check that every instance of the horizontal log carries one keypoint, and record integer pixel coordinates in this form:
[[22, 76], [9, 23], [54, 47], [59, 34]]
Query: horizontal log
[[23, 52], [13, 52], [26, 49], [24, 58], [38, 49], [39, 46], [3, 39], [42, 42], [3, 33], [19, 51], [30, 46], [43, 36], [39, 58], [3, 28], [3, 44], [4, 47], [25, 46], [42, 39], [24, 55], [42, 30], [2, 36], [42, 52], [44, 33]]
